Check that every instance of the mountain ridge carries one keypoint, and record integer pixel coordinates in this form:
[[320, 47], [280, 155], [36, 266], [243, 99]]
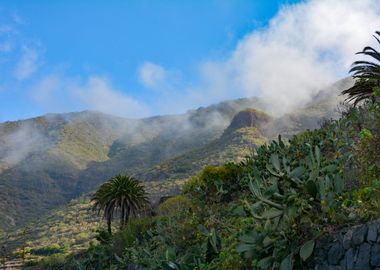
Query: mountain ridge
[[78, 151], [60, 150]]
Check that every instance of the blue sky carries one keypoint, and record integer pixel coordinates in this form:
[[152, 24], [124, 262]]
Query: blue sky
[[137, 58], [114, 38]]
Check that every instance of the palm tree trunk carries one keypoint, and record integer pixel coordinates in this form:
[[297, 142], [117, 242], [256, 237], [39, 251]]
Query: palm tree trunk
[[122, 218], [109, 226], [127, 215]]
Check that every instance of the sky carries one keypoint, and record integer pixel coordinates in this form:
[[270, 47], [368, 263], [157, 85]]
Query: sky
[[138, 58]]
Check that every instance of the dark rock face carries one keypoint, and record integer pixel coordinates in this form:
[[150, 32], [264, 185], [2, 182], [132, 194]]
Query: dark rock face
[[248, 118], [375, 255], [355, 248], [335, 254], [372, 233], [359, 235], [347, 240], [362, 262]]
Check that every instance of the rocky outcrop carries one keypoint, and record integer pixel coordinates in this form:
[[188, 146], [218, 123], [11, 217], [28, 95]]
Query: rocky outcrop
[[247, 118], [355, 248]]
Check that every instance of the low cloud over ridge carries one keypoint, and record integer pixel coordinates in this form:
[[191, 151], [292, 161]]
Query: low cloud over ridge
[[305, 47]]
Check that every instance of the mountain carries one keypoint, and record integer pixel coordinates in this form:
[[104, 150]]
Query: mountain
[[326, 104], [72, 154], [64, 226], [238, 140], [49, 160], [64, 155]]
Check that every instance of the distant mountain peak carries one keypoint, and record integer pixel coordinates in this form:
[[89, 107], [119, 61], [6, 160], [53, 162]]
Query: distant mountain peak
[[248, 118]]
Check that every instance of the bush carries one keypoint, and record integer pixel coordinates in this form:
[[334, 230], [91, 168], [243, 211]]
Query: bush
[[134, 231], [47, 251], [174, 206], [54, 261], [216, 184]]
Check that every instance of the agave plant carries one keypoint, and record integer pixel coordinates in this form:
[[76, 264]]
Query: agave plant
[[283, 194], [367, 75], [123, 194]]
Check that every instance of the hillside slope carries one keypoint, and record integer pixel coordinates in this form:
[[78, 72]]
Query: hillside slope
[[63, 228], [62, 156], [238, 140], [187, 151]]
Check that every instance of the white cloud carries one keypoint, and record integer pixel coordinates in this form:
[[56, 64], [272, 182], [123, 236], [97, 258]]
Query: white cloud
[[151, 75], [51, 94], [214, 85], [305, 47], [97, 94], [27, 64], [17, 145], [59, 93]]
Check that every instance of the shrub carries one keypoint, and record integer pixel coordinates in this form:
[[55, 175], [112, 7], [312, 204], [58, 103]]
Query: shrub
[[54, 261], [174, 206], [216, 184], [134, 231], [47, 251]]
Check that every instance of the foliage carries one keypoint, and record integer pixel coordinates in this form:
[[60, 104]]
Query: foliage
[[293, 199], [67, 225], [72, 154], [367, 75], [266, 212], [174, 205], [122, 194], [53, 262], [46, 251], [216, 184]]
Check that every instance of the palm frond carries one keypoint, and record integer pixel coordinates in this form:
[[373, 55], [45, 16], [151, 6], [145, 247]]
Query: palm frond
[[123, 194], [366, 74]]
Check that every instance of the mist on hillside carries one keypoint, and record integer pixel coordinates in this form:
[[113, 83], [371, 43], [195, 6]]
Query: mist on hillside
[[22, 139], [289, 70]]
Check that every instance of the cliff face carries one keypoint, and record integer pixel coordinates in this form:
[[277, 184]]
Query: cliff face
[[246, 119]]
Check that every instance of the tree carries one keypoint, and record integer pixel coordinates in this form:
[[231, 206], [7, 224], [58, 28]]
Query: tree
[[121, 194], [366, 74]]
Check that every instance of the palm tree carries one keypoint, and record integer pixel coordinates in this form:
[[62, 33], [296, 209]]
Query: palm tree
[[123, 194], [367, 75]]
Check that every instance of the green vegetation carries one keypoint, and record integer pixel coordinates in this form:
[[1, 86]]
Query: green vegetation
[[123, 195], [245, 203], [367, 75], [172, 206], [73, 227], [233, 146], [263, 213], [68, 229], [65, 155]]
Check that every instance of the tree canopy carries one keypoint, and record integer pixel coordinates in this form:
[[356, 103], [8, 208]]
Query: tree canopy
[[121, 194]]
